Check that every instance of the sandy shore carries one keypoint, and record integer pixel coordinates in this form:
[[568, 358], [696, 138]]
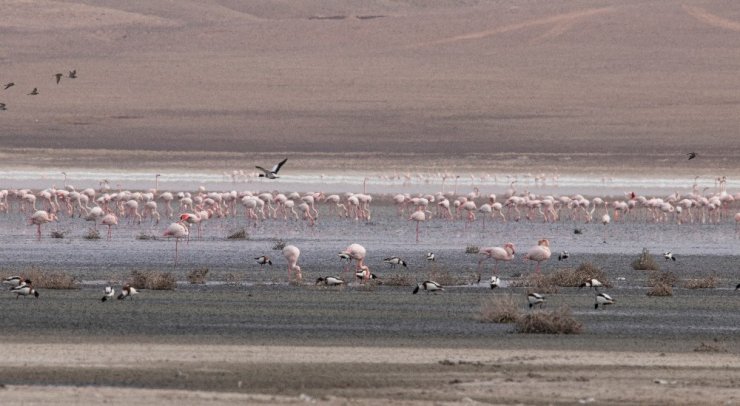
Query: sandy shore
[[334, 375]]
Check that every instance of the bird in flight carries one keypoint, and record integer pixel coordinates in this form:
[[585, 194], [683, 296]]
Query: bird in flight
[[692, 155], [73, 74], [58, 76], [7, 85], [272, 173], [34, 92]]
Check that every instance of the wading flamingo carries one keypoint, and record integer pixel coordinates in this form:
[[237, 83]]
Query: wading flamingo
[[539, 253], [291, 254], [505, 253], [42, 217], [109, 220], [177, 230], [418, 216]]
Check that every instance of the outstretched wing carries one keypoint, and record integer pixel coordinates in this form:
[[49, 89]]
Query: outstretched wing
[[277, 167], [262, 169]]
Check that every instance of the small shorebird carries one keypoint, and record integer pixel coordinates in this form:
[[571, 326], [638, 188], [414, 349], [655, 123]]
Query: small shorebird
[[563, 256], [592, 283], [535, 299], [13, 280], [495, 282], [272, 173], [8, 85], [344, 256], [109, 292], [127, 291], [431, 256], [264, 259], [393, 261], [669, 256], [429, 286], [692, 155], [330, 281], [364, 273], [603, 299], [34, 92], [72, 74], [58, 76], [25, 289]]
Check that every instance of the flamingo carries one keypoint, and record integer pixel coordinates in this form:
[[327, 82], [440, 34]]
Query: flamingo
[[177, 230], [42, 217], [109, 220], [355, 252], [605, 220], [539, 253], [505, 253], [418, 216], [291, 254]]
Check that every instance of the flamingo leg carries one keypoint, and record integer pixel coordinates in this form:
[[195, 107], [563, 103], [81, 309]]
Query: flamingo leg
[[417, 231], [38, 232], [177, 240]]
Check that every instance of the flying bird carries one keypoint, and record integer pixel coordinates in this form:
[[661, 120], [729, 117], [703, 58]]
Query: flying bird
[[72, 74], [7, 85], [58, 76], [34, 92], [692, 155], [272, 173]]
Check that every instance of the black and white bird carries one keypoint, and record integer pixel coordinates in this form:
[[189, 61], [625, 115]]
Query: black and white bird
[[58, 76], [34, 92], [563, 256], [109, 292], [393, 261], [495, 282], [603, 299], [428, 286], [9, 85], [13, 281], [692, 155], [330, 281], [737, 287], [364, 273], [127, 291], [72, 74], [431, 256], [535, 299], [24, 289], [264, 259], [345, 257], [272, 173], [591, 283], [669, 256]]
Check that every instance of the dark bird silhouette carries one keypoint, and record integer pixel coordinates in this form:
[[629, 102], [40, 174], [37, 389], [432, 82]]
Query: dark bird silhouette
[[72, 74], [7, 85], [2, 107], [272, 173], [577, 231], [58, 76], [692, 155], [34, 92]]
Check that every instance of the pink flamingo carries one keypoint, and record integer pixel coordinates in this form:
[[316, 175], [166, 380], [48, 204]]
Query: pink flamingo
[[418, 216], [356, 252], [737, 222], [191, 218], [605, 220], [505, 253], [109, 220], [42, 217], [291, 254], [177, 230], [539, 253]]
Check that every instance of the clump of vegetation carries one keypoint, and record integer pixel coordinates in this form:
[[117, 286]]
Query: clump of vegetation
[[198, 276], [708, 282], [558, 321], [279, 245], [535, 282], [233, 278], [472, 249], [399, 280], [50, 280], [646, 262], [714, 346], [240, 234], [92, 234], [446, 278], [145, 237], [58, 234], [153, 280], [661, 283], [499, 309], [660, 289]]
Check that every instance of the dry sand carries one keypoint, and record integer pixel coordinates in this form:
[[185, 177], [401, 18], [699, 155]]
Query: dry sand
[[335, 375]]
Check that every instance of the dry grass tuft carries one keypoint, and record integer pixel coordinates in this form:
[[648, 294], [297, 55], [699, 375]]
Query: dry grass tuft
[[472, 249], [535, 283], [57, 234], [233, 278], [240, 234], [714, 346], [92, 234], [50, 280], [499, 309], [558, 321], [279, 245], [145, 237], [153, 280], [660, 289], [569, 277], [709, 282], [198, 276], [447, 278], [645, 262], [399, 280]]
